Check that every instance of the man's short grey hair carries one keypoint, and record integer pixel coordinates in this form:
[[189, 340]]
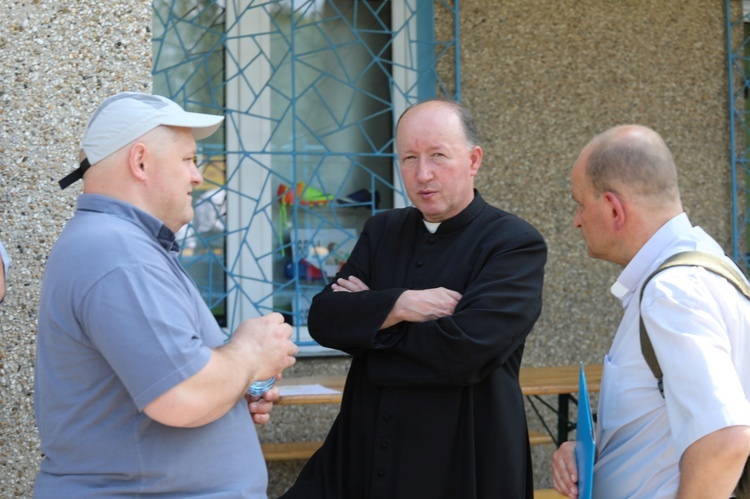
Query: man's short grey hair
[[632, 156], [464, 115]]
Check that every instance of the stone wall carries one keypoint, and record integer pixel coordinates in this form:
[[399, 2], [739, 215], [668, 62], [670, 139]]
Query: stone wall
[[541, 77], [59, 60]]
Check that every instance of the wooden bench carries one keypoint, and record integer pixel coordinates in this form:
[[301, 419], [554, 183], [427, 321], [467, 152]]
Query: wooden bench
[[548, 494], [287, 451], [535, 381]]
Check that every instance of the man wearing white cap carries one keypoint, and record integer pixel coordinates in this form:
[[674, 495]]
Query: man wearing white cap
[[136, 392]]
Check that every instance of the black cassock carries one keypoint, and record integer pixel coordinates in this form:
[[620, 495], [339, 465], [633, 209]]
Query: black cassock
[[433, 409]]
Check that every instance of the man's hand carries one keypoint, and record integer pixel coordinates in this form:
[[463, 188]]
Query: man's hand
[[565, 470], [264, 342], [427, 304], [260, 407], [422, 305]]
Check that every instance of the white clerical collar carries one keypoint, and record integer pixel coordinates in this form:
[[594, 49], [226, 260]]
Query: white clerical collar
[[432, 227]]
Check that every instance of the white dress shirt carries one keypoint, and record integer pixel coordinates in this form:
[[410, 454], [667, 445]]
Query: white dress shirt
[[698, 324]]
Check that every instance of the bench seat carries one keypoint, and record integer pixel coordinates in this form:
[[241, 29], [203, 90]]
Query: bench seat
[[548, 494]]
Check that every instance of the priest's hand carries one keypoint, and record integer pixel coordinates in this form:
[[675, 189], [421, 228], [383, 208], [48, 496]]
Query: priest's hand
[[351, 284], [422, 305]]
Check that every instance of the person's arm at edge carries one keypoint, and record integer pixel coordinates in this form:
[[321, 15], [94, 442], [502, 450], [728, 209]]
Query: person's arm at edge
[[712, 465], [4, 265], [2, 279]]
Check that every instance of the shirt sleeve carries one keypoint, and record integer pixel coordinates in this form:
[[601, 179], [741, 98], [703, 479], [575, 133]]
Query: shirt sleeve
[[350, 322], [141, 321], [686, 311]]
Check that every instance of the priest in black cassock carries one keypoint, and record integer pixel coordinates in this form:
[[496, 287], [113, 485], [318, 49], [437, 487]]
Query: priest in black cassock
[[434, 306]]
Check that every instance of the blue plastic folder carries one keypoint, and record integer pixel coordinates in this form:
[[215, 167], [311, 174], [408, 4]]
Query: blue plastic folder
[[585, 447]]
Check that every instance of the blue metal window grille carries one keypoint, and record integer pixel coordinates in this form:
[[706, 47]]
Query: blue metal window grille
[[738, 50], [310, 90]]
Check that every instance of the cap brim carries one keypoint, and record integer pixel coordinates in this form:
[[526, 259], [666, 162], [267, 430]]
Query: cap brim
[[203, 125]]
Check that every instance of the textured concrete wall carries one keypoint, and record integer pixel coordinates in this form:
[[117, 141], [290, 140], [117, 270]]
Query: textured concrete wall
[[542, 78], [59, 60]]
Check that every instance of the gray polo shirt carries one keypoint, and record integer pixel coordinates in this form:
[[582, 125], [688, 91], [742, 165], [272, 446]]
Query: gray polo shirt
[[120, 323]]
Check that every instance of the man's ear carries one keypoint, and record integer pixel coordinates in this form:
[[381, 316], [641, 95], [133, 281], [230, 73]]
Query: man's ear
[[138, 161], [616, 208], [476, 160]]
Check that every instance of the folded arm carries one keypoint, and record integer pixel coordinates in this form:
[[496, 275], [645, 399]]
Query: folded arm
[[412, 305]]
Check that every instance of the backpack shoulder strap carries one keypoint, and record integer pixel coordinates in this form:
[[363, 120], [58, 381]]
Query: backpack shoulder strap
[[710, 262]]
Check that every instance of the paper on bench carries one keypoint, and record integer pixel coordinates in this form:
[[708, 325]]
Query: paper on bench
[[317, 389]]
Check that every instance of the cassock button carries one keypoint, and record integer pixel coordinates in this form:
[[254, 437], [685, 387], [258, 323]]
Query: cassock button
[[386, 417], [383, 445], [433, 239], [419, 264], [381, 473]]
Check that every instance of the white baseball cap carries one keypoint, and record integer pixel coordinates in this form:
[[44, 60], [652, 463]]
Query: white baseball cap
[[124, 117]]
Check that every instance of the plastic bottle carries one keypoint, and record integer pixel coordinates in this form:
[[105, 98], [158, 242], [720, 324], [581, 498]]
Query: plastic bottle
[[258, 388]]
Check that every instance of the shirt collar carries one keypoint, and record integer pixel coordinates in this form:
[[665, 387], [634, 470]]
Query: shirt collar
[[150, 224], [463, 218], [636, 269]]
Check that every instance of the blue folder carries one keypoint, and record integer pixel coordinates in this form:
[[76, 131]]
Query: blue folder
[[585, 447]]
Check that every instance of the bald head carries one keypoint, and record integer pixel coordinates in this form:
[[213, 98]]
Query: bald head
[[625, 185], [633, 160]]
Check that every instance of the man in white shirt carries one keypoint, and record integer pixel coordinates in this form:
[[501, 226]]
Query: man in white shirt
[[694, 441]]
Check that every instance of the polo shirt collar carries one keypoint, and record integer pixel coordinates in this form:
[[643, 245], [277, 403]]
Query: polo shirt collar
[[149, 223], [635, 271]]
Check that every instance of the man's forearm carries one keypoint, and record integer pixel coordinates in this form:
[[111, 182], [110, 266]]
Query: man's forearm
[[207, 395], [422, 305], [259, 348], [711, 466]]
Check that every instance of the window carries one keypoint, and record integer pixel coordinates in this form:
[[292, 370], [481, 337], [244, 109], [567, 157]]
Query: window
[[310, 90]]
